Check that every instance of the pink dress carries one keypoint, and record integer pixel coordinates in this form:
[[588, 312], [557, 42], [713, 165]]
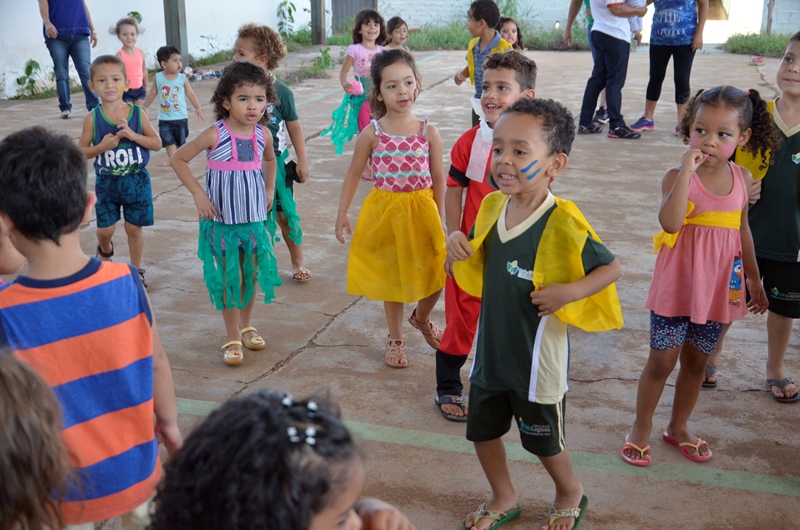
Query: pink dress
[[362, 61], [702, 277]]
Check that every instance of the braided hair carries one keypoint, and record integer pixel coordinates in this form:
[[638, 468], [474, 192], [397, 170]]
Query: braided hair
[[753, 115], [259, 461]]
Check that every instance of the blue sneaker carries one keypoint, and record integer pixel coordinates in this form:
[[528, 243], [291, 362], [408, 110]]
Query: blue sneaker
[[643, 124]]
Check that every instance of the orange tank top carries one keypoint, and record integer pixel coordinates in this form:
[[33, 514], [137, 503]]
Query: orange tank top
[[134, 64]]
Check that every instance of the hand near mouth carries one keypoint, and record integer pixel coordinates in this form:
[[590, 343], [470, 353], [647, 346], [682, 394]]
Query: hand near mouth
[[692, 159]]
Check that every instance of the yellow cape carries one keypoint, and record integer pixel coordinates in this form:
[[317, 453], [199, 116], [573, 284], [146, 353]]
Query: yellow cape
[[753, 161], [558, 260]]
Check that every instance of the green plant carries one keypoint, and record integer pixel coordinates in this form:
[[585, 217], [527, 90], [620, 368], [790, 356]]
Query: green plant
[[758, 44], [324, 61], [286, 10], [32, 75], [135, 15]]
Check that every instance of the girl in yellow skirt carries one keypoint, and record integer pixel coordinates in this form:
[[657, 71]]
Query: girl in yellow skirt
[[398, 250]]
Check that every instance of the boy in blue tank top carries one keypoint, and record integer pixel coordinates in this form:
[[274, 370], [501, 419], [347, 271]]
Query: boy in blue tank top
[[172, 88], [119, 137]]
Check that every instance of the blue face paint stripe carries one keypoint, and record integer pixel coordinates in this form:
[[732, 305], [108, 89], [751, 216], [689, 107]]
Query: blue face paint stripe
[[528, 168], [535, 173]]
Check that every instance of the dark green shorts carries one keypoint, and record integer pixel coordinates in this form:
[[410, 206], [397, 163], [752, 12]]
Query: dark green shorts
[[541, 427]]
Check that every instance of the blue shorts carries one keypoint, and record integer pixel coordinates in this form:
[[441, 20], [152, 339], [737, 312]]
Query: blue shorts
[[134, 94], [173, 132], [670, 332], [131, 193]]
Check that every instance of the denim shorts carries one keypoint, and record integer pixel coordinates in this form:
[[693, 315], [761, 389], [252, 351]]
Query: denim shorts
[[670, 332], [130, 193], [173, 132], [134, 94]]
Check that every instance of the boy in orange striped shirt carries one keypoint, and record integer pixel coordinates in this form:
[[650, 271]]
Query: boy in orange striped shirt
[[87, 327]]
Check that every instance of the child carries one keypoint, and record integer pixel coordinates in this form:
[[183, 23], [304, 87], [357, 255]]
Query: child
[[11, 261], [119, 137], [353, 115], [397, 253], [397, 31], [87, 327], [240, 186], [509, 30], [262, 46], [32, 455], [775, 222], [295, 466], [704, 217], [172, 88], [544, 268], [482, 18], [507, 77], [127, 31], [636, 21]]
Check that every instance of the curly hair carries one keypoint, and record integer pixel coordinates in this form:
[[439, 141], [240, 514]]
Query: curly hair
[[524, 68], [485, 10], [557, 123], [379, 62], [363, 17], [267, 43], [33, 460], [234, 76], [519, 45], [753, 115], [259, 461], [127, 21]]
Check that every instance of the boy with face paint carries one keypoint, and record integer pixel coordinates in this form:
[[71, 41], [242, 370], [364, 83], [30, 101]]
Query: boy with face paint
[[538, 266], [507, 77]]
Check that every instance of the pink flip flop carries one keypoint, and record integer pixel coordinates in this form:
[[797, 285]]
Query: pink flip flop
[[643, 452], [694, 457]]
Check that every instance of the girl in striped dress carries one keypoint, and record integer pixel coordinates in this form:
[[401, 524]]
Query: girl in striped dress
[[240, 184]]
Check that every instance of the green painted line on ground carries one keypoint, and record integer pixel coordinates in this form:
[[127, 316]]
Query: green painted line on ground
[[595, 463], [339, 90]]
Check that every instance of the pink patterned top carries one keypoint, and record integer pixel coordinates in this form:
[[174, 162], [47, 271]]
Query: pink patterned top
[[362, 58], [701, 277], [401, 163]]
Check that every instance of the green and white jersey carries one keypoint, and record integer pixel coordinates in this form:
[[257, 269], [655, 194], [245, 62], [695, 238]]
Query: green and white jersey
[[517, 350]]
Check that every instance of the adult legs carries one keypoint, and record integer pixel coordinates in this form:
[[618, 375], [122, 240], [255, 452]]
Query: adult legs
[[616, 54], [779, 330], [59, 52], [81, 52], [594, 58], [659, 59], [682, 59], [596, 83]]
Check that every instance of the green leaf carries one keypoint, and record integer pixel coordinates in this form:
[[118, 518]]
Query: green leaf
[[21, 80]]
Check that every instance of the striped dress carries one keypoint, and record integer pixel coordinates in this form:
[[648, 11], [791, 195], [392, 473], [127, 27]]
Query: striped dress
[[235, 246]]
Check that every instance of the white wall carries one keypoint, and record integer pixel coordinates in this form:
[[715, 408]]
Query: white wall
[[419, 13], [785, 17], [21, 30]]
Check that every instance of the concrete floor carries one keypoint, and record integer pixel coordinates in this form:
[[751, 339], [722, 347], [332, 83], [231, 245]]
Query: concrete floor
[[319, 337]]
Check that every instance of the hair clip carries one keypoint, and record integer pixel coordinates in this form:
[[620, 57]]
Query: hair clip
[[287, 400], [747, 93], [311, 432], [312, 409], [292, 432]]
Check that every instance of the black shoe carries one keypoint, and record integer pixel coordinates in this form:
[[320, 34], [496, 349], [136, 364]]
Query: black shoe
[[141, 275], [592, 128], [601, 116], [623, 132]]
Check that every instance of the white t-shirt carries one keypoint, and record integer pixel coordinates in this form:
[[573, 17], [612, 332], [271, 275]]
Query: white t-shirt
[[606, 22]]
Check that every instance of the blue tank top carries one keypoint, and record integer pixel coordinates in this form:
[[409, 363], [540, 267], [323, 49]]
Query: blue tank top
[[674, 22], [128, 157]]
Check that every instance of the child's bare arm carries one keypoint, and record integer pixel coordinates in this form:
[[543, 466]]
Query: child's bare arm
[[365, 143], [379, 515], [295, 131], [269, 166], [145, 76], [348, 62], [453, 199], [109, 141], [675, 190], [187, 89], [758, 297], [150, 95], [149, 139], [164, 404], [462, 76], [551, 298], [180, 163], [437, 169]]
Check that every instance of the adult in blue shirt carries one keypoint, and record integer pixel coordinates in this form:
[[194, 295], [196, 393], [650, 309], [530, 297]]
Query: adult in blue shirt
[[68, 29], [677, 32]]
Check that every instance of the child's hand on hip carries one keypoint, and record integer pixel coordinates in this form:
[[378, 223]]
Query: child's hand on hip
[[458, 246], [205, 210], [342, 225], [551, 298]]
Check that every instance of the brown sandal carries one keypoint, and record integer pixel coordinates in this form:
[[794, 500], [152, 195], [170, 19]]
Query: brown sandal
[[396, 348], [429, 330]]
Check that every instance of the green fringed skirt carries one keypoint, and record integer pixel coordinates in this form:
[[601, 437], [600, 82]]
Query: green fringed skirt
[[233, 255], [345, 118]]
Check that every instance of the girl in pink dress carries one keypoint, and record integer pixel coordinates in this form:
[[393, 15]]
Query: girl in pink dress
[[397, 252], [705, 258]]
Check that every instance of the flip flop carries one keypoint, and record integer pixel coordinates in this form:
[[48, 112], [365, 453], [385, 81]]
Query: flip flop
[[577, 513], [694, 457], [643, 451], [781, 384], [710, 372], [450, 400], [498, 518]]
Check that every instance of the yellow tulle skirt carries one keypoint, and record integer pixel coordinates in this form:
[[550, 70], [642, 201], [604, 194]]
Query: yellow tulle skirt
[[398, 249]]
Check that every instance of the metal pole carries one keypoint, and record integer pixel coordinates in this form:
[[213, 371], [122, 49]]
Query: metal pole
[[175, 23]]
